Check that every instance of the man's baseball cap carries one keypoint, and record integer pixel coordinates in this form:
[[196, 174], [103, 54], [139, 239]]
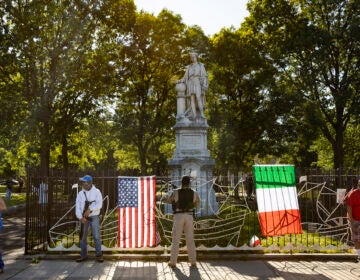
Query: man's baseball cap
[[86, 178]]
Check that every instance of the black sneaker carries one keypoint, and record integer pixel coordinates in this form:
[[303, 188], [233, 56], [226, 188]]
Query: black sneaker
[[171, 265], [100, 259], [81, 259]]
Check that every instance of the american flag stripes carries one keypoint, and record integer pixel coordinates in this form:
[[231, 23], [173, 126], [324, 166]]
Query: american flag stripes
[[136, 212]]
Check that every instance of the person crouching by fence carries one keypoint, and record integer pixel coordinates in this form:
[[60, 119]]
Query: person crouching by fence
[[87, 210], [184, 201]]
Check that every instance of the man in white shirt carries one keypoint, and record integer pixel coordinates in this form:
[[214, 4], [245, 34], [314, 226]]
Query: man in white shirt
[[87, 210]]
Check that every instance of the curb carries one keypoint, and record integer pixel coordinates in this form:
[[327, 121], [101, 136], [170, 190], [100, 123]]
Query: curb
[[201, 257]]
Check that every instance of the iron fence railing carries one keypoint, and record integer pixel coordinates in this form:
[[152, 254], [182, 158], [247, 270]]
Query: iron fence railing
[[51, 224]]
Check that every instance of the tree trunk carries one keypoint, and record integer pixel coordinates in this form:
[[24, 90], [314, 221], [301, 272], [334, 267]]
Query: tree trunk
[[45, 139], [338, 147], [65, 162], [338, 150], [64, 155], [143, 165], [44, 158]]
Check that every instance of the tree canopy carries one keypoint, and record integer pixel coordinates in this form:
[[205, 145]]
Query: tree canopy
[[91, 85]]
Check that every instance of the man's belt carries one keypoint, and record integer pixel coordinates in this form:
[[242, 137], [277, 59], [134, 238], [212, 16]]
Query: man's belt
[[190, 212]]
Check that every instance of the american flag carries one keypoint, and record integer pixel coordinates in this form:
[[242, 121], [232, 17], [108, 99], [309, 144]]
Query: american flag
[[136, 212]]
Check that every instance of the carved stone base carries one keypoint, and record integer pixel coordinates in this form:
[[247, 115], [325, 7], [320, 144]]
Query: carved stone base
[[191, 157]]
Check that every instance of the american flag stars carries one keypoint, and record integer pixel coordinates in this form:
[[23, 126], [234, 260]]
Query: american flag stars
[[128, 192]]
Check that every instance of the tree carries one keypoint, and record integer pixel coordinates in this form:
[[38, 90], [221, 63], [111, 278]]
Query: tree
[[63, 79], [13, 106], [45, 36], [238, 104], [146, 102], [90, 89], [314, 45]]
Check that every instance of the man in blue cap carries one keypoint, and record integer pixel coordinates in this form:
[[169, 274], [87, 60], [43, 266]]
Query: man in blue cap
[[88, 206]]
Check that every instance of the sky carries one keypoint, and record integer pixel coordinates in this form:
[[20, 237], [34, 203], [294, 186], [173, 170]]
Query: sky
[[210, 15]]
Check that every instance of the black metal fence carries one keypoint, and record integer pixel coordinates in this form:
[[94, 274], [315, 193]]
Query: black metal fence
[[51, 221], [50, 199]]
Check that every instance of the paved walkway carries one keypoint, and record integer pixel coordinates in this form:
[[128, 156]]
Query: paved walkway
[[274, 267], [19, 268]]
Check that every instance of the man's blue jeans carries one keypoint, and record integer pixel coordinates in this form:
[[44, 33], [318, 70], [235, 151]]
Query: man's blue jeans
[[8, 194], [1, 241], [95, 231], [1, 262]]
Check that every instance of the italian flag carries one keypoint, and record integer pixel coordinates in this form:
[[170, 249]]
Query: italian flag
[[277, 199]]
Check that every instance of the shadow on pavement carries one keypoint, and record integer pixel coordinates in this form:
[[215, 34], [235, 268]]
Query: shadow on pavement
[[12, 236]]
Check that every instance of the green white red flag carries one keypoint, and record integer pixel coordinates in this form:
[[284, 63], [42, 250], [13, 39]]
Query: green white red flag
[[277, 199]]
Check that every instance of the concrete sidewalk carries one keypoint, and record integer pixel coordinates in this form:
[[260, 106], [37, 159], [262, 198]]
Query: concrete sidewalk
[[334, 267], [14, 209], [220, 266]]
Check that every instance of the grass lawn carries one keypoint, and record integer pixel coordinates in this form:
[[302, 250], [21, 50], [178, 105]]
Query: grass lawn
[[16, 198]]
